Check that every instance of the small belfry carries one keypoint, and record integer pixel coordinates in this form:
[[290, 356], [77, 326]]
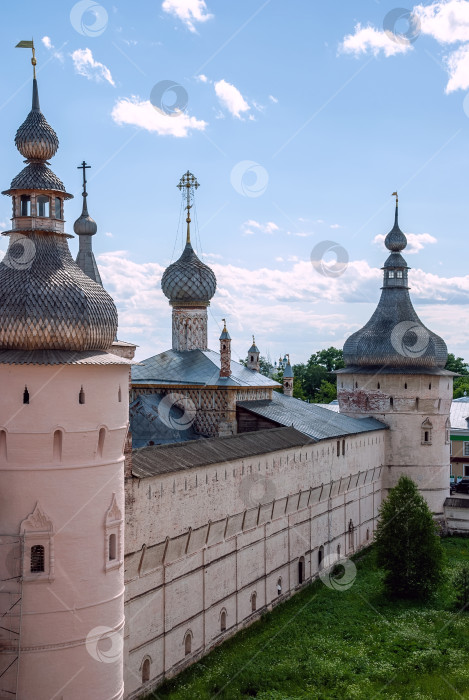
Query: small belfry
[[253, 356], [85, 227], [225, 352], [189, 285], [288, 378]]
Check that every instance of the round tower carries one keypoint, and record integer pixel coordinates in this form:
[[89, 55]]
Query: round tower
[[394, 371], [189, 285], [63, 423]]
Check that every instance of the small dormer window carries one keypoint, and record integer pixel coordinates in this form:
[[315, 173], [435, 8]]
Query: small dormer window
[[391, 274], [399, 274], [43, 205], [25, 205]]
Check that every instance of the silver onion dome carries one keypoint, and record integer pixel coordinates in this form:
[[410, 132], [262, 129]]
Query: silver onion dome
[[36, 139], [395, 337], [189, 280]]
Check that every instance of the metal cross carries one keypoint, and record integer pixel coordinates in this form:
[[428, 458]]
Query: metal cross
[[189, 181], [83, 167]]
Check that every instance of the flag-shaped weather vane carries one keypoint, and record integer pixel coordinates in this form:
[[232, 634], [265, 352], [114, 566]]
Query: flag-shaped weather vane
[[26, 44]]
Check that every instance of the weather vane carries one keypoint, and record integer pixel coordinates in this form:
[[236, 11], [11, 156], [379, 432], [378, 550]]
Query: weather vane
[[189, 182], [29, 45], [394, 194]]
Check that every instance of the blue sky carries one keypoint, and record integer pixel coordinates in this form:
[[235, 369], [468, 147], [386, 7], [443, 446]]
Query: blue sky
[[301, 119]]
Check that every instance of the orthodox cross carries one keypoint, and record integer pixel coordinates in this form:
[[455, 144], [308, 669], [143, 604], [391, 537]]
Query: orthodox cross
[[189, 182], [83, 167]]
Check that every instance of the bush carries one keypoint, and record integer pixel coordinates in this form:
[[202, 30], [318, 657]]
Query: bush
[[460, 583]]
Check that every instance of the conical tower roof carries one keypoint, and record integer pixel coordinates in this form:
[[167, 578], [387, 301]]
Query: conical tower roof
[[395, 337]]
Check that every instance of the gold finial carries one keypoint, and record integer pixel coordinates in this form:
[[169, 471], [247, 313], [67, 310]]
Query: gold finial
[[394, 194], [224, 325], [253, 340], [29, 45], [189, 181]]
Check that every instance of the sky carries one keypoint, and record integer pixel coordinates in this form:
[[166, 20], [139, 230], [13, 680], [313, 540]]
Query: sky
[[299, 119]]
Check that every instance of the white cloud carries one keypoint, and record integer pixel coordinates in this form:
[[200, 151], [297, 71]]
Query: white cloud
[[203, 78], [190, 12], [458, 69], [335, 226], [109, 234], [415, 241], [86, 65], [47, 42], [273, 99], [231, 98], [143, 114], [368, 39], [251, 226], [446, 21]]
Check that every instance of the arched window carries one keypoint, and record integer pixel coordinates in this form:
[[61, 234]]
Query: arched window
[[146, 671], [25, 205], [81, 396], [279, 586], [351, 531], [112, 547], [57, 449], [301, 570], [43, 205], [37, 559], [58, 208], [426, 431], [252, 358], [25, 395], [253, 602], [119, 395], [101, 437], [223, 621], [320, 556], [187, 643]]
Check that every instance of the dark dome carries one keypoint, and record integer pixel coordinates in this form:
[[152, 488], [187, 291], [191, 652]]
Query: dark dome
[[37, 176], [395, 336], [188, 280], [36, 139], [47, 302]]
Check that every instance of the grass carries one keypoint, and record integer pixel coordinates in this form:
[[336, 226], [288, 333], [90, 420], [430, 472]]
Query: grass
[[354, 644]]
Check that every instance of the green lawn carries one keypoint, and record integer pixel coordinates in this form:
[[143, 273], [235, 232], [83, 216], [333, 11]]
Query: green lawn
[[348, 644]]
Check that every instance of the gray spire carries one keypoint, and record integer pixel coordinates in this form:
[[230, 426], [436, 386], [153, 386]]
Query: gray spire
[[85, 227]]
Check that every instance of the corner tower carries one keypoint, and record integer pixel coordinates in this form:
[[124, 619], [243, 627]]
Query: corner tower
[[189, 285], [394, 371], [63, 423]]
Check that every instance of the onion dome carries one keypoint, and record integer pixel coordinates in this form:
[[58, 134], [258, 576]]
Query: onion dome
[[85, 225], [189, 280], [395, 337], [35, 139], [46, 301], [288, 371]]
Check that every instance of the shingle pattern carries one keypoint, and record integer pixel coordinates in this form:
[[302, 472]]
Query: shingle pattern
[[188, 279]]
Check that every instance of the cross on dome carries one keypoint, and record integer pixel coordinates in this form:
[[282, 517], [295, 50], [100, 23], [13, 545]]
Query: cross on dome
[[188, 182]]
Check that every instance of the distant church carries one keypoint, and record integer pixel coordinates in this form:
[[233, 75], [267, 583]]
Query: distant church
[[120, 566]]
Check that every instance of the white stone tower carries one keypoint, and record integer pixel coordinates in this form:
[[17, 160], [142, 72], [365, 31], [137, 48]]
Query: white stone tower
[[63, 423], [189, 285], [394, 371]]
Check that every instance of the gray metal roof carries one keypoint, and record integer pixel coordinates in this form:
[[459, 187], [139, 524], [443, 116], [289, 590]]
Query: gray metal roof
[[147, 426], [309, 418], [395, 336], [161, 459], [199, 367], [459, 412], [60, 357]]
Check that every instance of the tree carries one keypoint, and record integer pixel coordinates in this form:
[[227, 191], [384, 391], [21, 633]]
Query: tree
[[456, 364], [460, 583], [326, 393], [407, 545]]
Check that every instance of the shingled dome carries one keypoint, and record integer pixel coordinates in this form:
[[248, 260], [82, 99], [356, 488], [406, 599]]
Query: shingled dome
[[394, 336], [36, 139], [188, 280]]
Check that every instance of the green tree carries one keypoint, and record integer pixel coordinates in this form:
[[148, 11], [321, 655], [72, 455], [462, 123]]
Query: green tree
[[460, 583], [326, 393], [407, 545], [319, 368], [456, 364]]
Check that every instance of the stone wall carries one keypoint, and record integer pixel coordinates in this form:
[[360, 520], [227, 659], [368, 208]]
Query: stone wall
[[232, 530]]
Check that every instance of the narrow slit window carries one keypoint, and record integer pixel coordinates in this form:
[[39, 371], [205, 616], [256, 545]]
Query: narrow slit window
[[25, 395], [57, 446], [119, 395], [338, 448], [146, 671], [223, 621], [81, 396], [343, 448], [112, 547], [37, 559], [253, 602], [101, 437], [188, 644]]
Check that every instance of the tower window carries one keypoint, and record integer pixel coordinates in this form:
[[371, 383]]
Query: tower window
[[81, 396], [25, 395], [430, 385], [58, 208], [338, 448], [146, 671], [43, 205], [391, 274], [252, 358], [301, 570], [399, 274], [57, 448], [223, 621], [426, 432], [379, 385], [119, 395], [279, 587], [343, 448], [101, 437], [351, 530], [391, 401], [25, 205], [37, 559], [405, 385], [253, 602], [188, 644], [112, 547]]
